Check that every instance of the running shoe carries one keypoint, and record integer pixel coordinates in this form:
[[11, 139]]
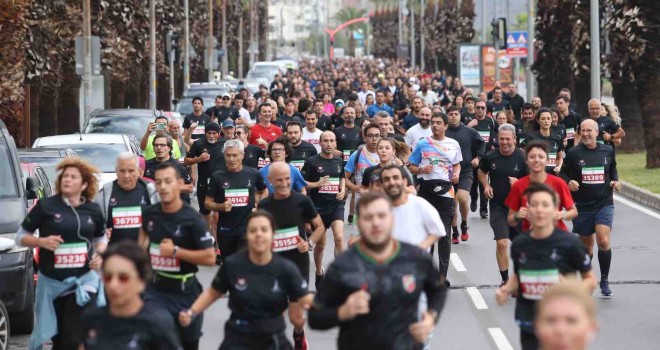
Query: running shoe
[[454, 238], [319, 278], [473, 205], [483, 213], [350, 219], [299, 341], [605, 288], [465, 235]]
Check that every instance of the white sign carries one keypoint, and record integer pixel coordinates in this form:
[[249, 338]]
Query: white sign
[[469, 65]]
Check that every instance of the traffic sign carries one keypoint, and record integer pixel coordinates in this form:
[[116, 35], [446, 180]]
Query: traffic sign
[[517, 44]]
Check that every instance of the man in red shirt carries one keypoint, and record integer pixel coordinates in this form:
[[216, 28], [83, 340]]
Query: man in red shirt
[[264, 132], [537, 155]]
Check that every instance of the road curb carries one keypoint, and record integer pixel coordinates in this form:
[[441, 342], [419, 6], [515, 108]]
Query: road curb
[[640, 195]]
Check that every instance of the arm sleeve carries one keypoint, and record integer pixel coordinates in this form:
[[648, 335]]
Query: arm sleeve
[[305, 171], [214, 191], [99, 231], [323, 313], [186, 122], [366, 177], [434, 287], [259, 182], [566, 173], [416, 156], [34, 218], [513, 199], [298, 182], [579, 257], [187, 179], [309, 210], [350, 164], [221, 280], [202, 238], [480, 144], [194, 150], [484, 165], [565, 195]]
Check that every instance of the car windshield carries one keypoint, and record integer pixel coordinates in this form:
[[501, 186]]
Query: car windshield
[[118, 124], [103, 156], [185, 105], [205, 92], [47, 163], [8, 187]]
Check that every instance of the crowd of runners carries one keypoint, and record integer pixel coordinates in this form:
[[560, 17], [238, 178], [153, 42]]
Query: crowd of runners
[[402, 155]]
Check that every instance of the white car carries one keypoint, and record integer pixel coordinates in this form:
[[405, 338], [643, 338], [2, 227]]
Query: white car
[[101, 150]]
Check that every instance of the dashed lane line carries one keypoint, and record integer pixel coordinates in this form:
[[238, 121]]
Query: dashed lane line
[[456, 261], [477, 299], [500, 339]]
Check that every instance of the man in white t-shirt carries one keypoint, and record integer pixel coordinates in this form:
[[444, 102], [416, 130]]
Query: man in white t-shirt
[[419, 130], [310, 133], [429, 96], [415, 220]]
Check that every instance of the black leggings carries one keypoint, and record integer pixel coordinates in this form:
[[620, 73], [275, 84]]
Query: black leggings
[[69, 335], [528, 341]]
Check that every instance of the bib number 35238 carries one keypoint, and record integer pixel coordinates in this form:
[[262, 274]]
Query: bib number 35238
[[70, 255]]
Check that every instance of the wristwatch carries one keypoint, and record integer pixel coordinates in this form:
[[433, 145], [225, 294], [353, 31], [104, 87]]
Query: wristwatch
[[176, 248]]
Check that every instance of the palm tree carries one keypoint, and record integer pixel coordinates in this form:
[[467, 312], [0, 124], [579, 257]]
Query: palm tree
[[346, 14]]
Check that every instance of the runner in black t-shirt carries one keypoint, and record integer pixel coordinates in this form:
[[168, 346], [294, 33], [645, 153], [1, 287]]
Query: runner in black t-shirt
[[261, 286], [543, 132], [324, 174], [207, 154], [163, 148], [497, 171], [71, 238], [540, 259], [569, 119], [485, 126], [348, 135], [292, 211], [194, 123], [590, 170], [177, 240], [128, 323], [372, 291], [233, 193], [301, 149], [223, 109], [252, 153]]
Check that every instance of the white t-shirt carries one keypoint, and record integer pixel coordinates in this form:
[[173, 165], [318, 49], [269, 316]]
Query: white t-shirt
[[313, 138], [430, 98], [416, 133], [416, 220], [244, 114]]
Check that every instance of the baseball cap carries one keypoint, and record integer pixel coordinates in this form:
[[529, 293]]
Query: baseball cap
[[226, 94], [339, 102], [228, 123]]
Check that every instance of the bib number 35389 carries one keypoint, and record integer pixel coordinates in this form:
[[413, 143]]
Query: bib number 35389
[[70, 255]]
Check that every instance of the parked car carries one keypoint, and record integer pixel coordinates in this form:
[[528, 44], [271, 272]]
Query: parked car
[[184, 105], [120, 121], [207, 90], [16, 263], [43, 183], [46, 158], [5, 330], [266, 70], [100, 150]]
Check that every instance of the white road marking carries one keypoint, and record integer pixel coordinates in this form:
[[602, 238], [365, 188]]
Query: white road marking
[[500, 339], [477, 299], [456, 261], [637, 206]]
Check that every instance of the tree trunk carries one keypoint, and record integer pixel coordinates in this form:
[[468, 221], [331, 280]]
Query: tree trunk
[[48, 111], [650, 106], [35, 92], [581, 93], [351, 43], [625, 98], [117, 94], [240, 47], [68, 113]]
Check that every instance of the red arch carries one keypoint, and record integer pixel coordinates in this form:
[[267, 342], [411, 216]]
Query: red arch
[[332, 32]]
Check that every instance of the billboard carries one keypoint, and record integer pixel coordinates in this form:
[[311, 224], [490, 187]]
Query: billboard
[[488, 65], [469, 65]]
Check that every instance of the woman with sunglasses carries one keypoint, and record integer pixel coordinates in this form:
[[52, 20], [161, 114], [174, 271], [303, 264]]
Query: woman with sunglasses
[[261, 285], [126, 323]]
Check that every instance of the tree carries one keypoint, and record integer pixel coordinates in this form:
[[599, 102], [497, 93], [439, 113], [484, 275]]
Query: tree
[[384, 25], [346, 14], [447, 24]]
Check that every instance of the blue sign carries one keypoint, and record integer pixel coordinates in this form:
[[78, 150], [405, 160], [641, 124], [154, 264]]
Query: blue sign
[[516, 40]]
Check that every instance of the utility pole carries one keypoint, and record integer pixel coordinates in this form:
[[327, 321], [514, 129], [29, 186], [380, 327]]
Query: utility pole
[[484, 22], [210, 47], [400, 22], [412, 35], [152, 56], [497, 45], [225, 62], [186, 44], [252, 42], [87, 61], [423, 36], [531, 80], [595, 49]]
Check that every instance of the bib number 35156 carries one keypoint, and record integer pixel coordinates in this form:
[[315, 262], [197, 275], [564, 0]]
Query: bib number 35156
[[286, 239]]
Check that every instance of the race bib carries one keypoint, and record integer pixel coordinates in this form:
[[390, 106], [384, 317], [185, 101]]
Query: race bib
[[552, 160], [199, 130], [286, 239], [70, 255], [534, 283], [593, 175], [332, 187], [263, 162], [485, 135], [570, 133], [238, 197], [298, 164], [163, 263], [127, 217], [347, 154]]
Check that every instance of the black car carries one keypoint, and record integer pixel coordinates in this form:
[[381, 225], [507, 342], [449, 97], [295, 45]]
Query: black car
[[46, 158], [16, 263], [5, 330], [132, 122]]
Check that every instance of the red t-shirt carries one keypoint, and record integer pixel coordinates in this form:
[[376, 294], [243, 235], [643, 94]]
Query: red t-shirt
[[269, 134], [516, 200]]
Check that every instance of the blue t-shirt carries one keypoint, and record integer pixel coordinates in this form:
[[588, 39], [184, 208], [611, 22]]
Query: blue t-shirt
[[374, 108], [297, 180]]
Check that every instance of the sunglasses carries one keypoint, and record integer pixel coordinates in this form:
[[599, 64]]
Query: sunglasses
[[480, 107], [121, 276], [226, 98]]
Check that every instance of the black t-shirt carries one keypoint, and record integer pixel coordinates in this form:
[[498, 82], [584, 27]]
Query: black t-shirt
[[348, 140], [487, 130], [368, 172], [555, 145], [316, 167], [239, 187], [291, 215], [222, 113], [251, 156], [185, 227], [521, 133], [53, 217], [499, 168], [301, 153], [324, 123], [199, 130], [466, 116], [125, 212], [394, 286], [258, 295], [150, 329], [594, 170], [494, 107], [572, 124], [606, 124], [216, 162], [471, 145], [279, 122], [150, 168], [538, 263]]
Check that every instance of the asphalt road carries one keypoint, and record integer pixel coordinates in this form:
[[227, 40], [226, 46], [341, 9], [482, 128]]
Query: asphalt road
[[473, 320]]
